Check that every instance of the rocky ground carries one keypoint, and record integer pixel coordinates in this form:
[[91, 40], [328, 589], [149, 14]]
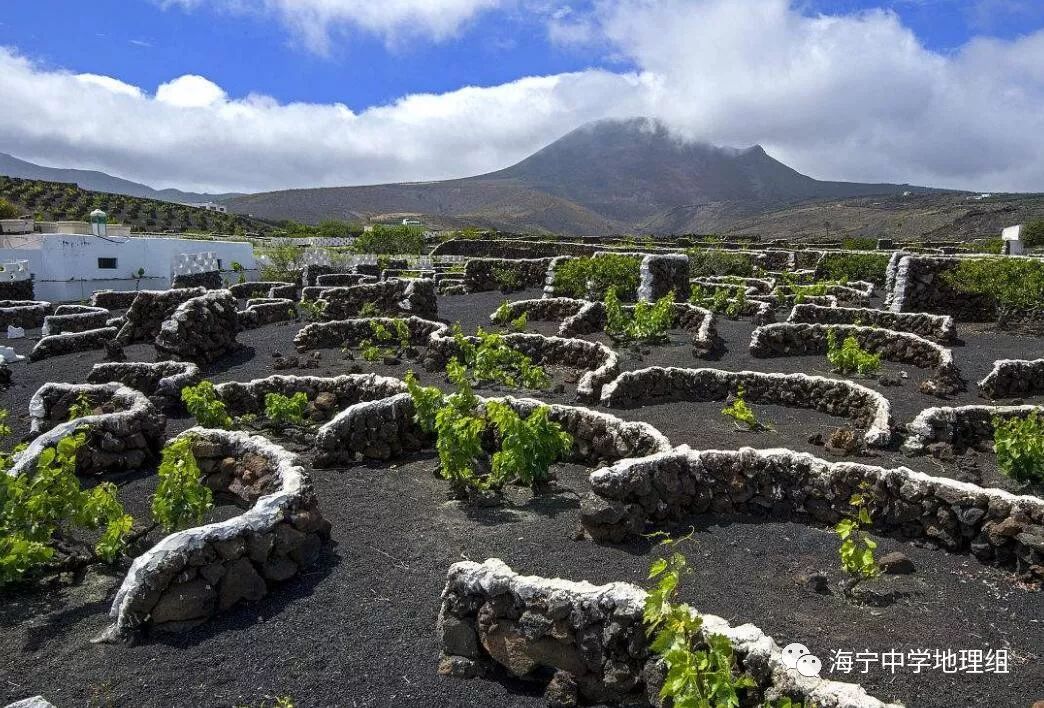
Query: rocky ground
[[358, 630]]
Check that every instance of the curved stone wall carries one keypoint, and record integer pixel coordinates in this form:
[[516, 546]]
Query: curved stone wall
[[480, 273], [28, 314], [201, 329], [258, 288], [409, 297], [593, 637], [342, 391], [385, 429], [843, 294], [114, 299], [868, 408], [210, 279], [65, 319], [662, 273], [190, 575], [962, 427], [938, 328], [267, 310], [71, 342], [149, 309], [761, 286], [789, 339], [123, 436], [1013, 378], [338, 333], [161, 381], [334, 280], [546, 309], [667, 487]]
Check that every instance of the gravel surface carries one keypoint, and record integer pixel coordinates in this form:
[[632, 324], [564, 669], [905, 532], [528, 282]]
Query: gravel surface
[[358, 630]]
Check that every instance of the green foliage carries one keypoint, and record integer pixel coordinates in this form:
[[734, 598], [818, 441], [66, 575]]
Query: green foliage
[[286, 409], [703, 263], [1032, 233], [849, 357], [7, 209], [573, 276], [370, 351], [427, 400], [503, 313], [519, 324], [285, 262], [1019, 444], [385, 239], [648, 322], [527, 447], [740, 412], [738, 304], [369, 309], [858, 243], [314, 310], [507, 278], [493, 360], [203, 404], [181, 495], [1017, 284], [695, 678], [985, 245], [38, 509], [857, 548], [81, 407], [854, 266]]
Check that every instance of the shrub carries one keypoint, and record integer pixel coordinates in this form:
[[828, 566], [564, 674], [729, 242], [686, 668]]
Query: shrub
[[384, 239], [37, 510], [284, 263], [857, 548], [180, 496], [81, 407], [1016, 284], [519, 323], [571, 277], [203, 404], [314, 310], [703, 263], [858, 243], [7, 209], [1032, 233], [369, 309], [648, 322], [854, 266], [738, 304], [286, 409], [426, 401], [493, 360], [740, 412], [1019, 444], [527, 447], [503, 313], [507, 278], [698, 678], [849, 357], [574, 276]]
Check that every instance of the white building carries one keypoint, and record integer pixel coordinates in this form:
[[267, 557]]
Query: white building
[[210, 206], [69, 267]]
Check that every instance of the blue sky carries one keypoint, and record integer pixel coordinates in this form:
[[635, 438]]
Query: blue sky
[[249, 95]]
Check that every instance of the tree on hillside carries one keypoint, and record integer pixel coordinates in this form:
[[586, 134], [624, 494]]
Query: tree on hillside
[[7, 209]]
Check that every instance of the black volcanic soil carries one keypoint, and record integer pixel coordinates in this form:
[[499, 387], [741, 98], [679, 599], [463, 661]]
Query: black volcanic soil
[[358, 630]]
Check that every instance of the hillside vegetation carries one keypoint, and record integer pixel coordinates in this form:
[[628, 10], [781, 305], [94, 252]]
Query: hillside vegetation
[[60, 201]]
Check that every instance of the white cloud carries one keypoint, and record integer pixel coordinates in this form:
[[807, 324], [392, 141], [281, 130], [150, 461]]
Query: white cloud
[[854, 97], [315, 21], [190, 91]]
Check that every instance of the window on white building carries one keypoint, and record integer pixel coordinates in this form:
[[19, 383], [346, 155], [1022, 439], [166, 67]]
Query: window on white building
[[107, 263]]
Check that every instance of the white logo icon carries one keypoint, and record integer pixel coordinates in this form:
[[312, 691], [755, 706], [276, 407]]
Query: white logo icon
[[797, 657]]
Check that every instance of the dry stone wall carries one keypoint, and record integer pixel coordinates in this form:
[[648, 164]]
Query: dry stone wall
[[327, 394], [789, 339], [267, 310], [330, 280], [209, 279], [660, 274], [124, 433], [113, 299], [202, 329], [28, 314], [593, 640], [17, 289], [71, 342], [408, 297], [994, 525], [481, 274], [149, 309], [351, 332], [258, 288], [79, 320], [868, 408], [161, 381], [1013, 378], [938, 328], [962, 427], [191, 575], [919, 285]]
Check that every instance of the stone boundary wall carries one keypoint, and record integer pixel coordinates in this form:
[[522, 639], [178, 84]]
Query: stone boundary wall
[[919, 286], [838, 397], [202, 329], [1013, 378], [161, 381], [780, 299], [210, 279], [549, 276], [346, 390], [589, 319], [63, 321], [600, 362], [789, 339], [667, 487], [28, 314], [71, 342], [962, 427], [333, 280], [659, 274], [409, 297], [286, 291], [509, 248], [385, 429], [593, 640], [890, 272], [267, 310], [258, 288], [545, 309], [938, 328], [114, 299], [338, 333], [149, 309], [123, 437], [732, 288], [190, 575], [17, 289], [762, 286], [479, 273], [844, 295], [310, 273]]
